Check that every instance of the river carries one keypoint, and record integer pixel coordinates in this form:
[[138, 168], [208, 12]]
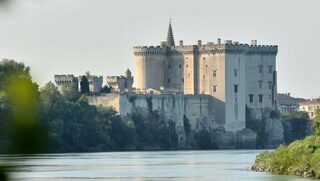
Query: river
[[217, 165]]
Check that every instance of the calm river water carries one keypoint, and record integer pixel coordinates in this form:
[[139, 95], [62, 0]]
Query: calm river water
[[160, 165]]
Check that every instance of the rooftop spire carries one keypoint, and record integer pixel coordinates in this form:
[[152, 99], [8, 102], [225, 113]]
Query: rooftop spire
[[170, 40]]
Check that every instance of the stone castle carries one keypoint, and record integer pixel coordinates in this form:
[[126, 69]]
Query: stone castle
[[236, 75], [211, 85]]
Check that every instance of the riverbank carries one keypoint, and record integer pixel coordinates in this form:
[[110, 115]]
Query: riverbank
[[300, 158]]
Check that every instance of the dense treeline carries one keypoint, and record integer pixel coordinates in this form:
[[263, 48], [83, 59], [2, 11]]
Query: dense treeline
[[64, 122], [302, 157]]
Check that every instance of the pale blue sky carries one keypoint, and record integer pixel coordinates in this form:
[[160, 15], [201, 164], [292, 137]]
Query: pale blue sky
[[73, 36]]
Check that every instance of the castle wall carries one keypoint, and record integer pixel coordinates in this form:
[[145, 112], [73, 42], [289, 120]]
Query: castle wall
[[212, 80], [235, 90], [198, 109], [149, 67], [106, 100], [174, 66], [189, 74], [261, 82]]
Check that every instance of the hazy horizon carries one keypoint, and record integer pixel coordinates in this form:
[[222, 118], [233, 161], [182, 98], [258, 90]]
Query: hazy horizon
[[72, 37]]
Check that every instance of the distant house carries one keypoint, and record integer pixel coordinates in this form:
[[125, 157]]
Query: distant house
[[310, 106], [287, 104]]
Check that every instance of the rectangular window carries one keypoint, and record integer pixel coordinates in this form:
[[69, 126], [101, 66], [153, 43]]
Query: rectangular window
[[169, 66], [179, 65], [260, 69], [260, 84], [260, 98], [182, 79], [214, 73], [251, 98], [235, 87], [235, 72], [270, 69], [270, 84], [214, 88], [169, 80]]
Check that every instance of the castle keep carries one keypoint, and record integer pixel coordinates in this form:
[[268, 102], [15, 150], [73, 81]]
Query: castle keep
[[236, 75]]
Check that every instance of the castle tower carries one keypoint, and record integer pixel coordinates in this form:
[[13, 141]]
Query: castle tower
[[170, 39]]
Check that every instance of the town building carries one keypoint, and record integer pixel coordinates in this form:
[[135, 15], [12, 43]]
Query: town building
[[310, 106], [286, 104]]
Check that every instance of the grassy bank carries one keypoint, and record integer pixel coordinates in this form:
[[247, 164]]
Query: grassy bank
[[301, 158]]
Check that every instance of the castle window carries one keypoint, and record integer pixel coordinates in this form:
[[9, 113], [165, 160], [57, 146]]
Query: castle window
[[235, 72], [189, 75], [182, 79], [270, 69], [169, 66], [186, 58], [235, 87], [260, 69], [270, 85], [179, 65], [206, 66], [203, 76], [214, 88], [214, 73], [251, 98], [260, 98], [187, 65], [169, 80], [260, 84], [204, 58]]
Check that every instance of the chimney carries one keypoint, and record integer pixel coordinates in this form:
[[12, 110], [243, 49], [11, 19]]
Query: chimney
[[163, 44], [219, 41], [181, 42], [254, 42], [199, 43]]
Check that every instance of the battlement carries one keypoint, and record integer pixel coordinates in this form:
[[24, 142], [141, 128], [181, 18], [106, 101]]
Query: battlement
[[63, 78], [149, 50]]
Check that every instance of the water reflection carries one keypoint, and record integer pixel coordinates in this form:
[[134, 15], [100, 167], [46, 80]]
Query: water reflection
[[175, 165]]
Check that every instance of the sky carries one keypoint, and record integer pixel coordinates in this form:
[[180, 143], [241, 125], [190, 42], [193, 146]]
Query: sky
[[75, 36]]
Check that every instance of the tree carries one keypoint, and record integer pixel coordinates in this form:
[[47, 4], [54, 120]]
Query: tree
[[70, 92], [316, 122], [84, 85], [49, 95]]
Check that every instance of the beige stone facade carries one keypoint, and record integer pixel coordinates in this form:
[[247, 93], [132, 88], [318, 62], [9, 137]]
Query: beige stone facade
[[310, 106], [235, 74]]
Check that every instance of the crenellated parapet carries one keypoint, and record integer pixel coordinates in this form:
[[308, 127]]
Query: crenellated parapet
[[149, 50], [229, 47], [187, 49], [252, 49]]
